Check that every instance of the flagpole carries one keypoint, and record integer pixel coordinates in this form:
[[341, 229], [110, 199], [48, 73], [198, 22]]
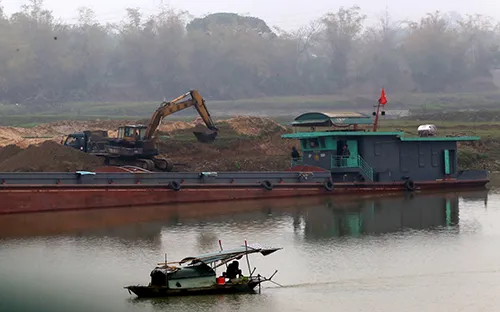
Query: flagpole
[[381, 101], [375, 124]]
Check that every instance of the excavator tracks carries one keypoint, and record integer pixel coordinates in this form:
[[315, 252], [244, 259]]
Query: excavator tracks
[[155, 164], [163, 164]]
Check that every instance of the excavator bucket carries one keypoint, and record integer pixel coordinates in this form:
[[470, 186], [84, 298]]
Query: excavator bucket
[[205, 136]]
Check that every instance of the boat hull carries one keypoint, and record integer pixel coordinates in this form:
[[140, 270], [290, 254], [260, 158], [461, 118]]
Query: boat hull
[[37, 198], [43, 192], [159, 292]]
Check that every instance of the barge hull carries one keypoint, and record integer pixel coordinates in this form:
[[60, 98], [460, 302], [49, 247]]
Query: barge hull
[[44, 198]]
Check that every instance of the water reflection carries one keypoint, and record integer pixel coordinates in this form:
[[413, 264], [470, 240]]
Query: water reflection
[[378, 216], [480, 196], [314, 218]]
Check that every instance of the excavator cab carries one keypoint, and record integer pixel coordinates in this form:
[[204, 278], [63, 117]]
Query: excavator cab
[[132, 132]]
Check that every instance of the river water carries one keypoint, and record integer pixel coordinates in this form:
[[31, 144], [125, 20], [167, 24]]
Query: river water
[[421, 252]]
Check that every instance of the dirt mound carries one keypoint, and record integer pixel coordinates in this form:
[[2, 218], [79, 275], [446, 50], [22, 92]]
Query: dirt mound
[[9, 151], [254, 126], [175, 126], [49, 156]]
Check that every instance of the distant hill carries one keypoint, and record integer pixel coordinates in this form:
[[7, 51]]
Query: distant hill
[[232, 21]]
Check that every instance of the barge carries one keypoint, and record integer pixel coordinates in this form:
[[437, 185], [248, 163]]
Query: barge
[[333, 161]]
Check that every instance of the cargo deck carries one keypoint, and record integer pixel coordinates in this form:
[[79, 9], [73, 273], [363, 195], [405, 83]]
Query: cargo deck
[[38, 192]]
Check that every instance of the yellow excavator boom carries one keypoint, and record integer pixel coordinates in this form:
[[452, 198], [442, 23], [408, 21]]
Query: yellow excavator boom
[[173, 106]]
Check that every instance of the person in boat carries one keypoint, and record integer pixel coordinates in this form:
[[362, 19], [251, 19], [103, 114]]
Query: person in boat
[[295, 154], [233, 270]]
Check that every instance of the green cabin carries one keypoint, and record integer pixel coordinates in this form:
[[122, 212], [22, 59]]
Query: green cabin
[[374, 156]]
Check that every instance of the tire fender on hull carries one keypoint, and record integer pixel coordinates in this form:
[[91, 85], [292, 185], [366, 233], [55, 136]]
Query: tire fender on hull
[[409, 185], [174, 185], [267, 185], [328, 185]]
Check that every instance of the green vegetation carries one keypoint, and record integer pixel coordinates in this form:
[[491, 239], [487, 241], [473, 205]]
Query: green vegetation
[[281, 108]]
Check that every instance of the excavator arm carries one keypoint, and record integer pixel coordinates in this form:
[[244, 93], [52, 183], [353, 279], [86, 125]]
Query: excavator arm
[[169, 108]]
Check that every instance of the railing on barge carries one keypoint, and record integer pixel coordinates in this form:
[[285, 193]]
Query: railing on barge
[[353, 162], [163, 178], [344, 162]]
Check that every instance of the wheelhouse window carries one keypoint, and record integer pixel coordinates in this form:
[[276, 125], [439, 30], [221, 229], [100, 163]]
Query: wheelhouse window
[[313, 144]]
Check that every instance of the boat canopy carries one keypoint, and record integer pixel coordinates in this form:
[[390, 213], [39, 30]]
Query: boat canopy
[[229, 254]]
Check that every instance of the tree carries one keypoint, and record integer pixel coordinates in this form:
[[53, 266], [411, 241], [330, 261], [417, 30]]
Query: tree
[[44, 61], [342, 30]]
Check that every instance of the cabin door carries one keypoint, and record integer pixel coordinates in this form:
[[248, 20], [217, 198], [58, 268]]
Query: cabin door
[[449, 161], [352, 161]]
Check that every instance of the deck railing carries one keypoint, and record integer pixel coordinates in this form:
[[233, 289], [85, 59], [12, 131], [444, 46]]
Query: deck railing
[[353, 162], [344, 162], [366, 168], [296, 161]]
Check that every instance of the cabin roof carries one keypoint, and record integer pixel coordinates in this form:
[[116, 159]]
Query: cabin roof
[[400, 135], [307, 135], [320, 118], [229, 254], [226, 255]]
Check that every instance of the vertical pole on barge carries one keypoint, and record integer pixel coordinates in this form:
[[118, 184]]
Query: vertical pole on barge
[[381, 101], [375, 123]]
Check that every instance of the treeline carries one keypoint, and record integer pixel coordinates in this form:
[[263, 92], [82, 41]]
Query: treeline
[[226, 56]]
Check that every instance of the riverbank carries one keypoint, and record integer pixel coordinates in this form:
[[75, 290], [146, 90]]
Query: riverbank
[[244, 144], [276, 107]]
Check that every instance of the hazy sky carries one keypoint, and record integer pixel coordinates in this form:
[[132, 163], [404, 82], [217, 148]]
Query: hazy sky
[[284, 13]]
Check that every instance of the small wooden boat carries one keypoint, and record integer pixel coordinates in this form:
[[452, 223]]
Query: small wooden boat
[[196, 275]]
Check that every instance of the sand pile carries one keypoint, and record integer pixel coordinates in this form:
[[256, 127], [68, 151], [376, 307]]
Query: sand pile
[[244, 143], [175, 126], [9, 151], [254, 126], [55, 131], [13, 135], [66, 127], [244, 125], [49, 156]]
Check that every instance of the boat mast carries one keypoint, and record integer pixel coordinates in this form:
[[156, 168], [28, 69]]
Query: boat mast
[[166, 271], [220, 245], [248, 261]]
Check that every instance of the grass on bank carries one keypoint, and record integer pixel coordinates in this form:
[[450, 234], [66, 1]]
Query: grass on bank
[[26, 114]]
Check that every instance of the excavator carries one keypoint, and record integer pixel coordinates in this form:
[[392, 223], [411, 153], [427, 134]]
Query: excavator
[[135, 144]]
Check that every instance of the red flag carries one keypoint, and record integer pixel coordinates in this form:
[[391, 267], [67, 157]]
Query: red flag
[[383, 99]]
